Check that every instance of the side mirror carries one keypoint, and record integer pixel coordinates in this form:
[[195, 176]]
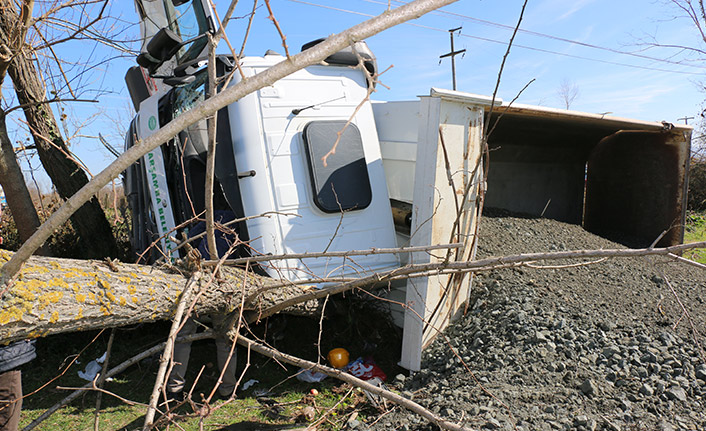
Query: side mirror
[[179, 2], [147, 61], [164, 44], [178, 81]]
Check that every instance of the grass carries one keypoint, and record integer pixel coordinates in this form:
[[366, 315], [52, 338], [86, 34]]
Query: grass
[[695, 231], [350, 322], [280, 408]]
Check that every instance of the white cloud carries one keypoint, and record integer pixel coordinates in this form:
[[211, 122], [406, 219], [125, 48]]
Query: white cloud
[[574, 7], [552, 11]]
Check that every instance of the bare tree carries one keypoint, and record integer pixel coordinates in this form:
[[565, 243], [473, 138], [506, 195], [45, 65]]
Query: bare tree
[[567, 92], [17, 29], [210, 107], [18, 197], [692, 10]]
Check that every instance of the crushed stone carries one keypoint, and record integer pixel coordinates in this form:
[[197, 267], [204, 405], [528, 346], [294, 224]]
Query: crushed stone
[[598, 347]]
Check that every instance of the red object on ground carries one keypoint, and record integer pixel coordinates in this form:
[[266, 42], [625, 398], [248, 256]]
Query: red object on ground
[[366, 369]]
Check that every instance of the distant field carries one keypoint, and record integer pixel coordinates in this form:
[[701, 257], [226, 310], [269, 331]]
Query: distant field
[[696, 231]]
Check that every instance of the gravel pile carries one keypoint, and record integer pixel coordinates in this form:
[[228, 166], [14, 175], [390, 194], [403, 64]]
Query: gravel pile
[[600, 347]]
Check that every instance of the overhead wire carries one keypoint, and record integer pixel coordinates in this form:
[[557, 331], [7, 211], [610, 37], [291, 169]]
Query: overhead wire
[[545, 35], [531, 48]]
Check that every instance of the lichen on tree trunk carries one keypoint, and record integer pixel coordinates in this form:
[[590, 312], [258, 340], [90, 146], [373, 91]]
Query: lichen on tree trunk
[[52, 296]]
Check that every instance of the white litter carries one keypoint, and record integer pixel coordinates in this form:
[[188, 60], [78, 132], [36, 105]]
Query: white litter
[[310, 376], [91, 371], [92, 368], [250, 383]]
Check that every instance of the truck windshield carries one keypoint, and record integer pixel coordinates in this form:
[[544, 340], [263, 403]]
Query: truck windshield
[[184, 98], [188, 20]]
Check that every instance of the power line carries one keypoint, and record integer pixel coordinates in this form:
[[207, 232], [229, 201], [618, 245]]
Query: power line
[[548, 36], [485, 39]]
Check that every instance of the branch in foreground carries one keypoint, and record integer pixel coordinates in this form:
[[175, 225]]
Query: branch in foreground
[[343, 376], [62, 295], [209, 107], [310, 255], [168, 349], [476, 266], [266, 351]]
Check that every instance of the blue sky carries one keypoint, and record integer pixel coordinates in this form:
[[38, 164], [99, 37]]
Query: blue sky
[[607, 81]]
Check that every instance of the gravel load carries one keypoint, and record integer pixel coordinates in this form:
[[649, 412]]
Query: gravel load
[[599, 347]]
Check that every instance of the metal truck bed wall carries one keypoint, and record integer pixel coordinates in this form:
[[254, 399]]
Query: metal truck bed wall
[[625, 179], [446, 137], [634, 172]]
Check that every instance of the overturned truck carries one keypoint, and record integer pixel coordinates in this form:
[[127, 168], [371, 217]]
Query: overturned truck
[[310, 165]]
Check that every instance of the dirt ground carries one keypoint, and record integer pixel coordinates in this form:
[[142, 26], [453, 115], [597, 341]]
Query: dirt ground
[[604, 346]]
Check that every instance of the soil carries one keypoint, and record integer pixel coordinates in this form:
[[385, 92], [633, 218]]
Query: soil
[[597, 347]]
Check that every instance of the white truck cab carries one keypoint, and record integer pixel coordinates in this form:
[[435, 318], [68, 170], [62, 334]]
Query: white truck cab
[[298, 162]]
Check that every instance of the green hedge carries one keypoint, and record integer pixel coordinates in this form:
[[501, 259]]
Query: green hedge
[[697, 185]]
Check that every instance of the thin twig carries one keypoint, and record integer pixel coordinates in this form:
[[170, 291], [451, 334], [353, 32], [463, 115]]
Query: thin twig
[[348, 378], [572, 265], [695, 333], [687, 261], [167, 354], [313, 425], [349, 253], [101, 380], [247, 30], [279, 29], [321, 330], [502, 67]]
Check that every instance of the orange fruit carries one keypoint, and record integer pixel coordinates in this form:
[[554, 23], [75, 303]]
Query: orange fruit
[[338, 357]]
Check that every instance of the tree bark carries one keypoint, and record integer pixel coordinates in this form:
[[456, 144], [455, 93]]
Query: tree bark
[[52, 296], [89, 221], [13, 184], [334, 43], [11, 179]]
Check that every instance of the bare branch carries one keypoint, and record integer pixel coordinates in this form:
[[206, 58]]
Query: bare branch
[[208, 107], [348, 378], [476, 265], [167, 354], [247, 31], [348, 253], [279, 29]]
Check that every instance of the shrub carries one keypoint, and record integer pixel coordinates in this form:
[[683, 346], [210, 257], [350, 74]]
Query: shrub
[[697, 184], [64, 242]]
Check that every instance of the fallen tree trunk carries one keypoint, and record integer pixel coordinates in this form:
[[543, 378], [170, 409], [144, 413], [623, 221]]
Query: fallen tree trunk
[[52, 296]]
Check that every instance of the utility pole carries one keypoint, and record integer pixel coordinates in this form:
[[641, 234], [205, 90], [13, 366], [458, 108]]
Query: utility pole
[[453, 54], [686, 119]]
